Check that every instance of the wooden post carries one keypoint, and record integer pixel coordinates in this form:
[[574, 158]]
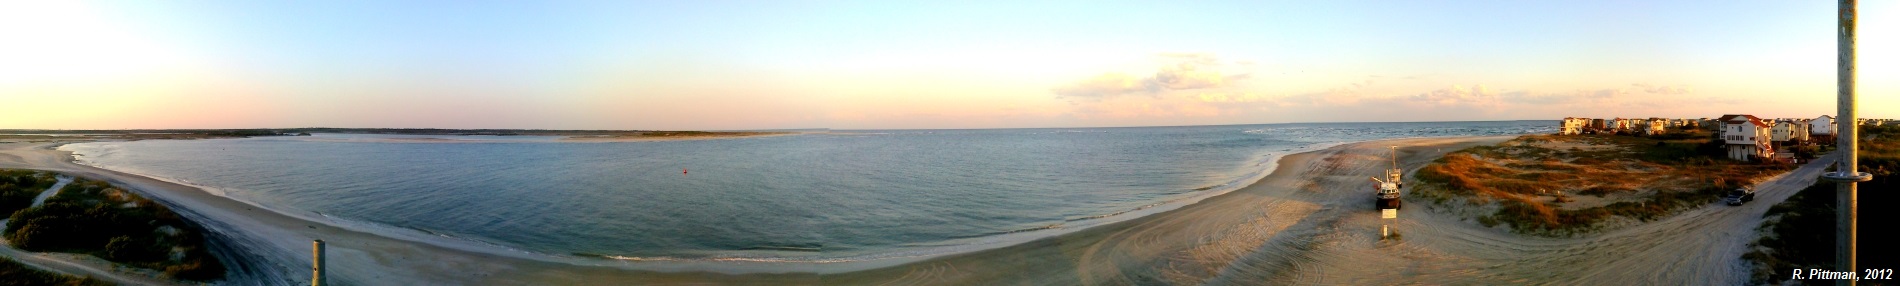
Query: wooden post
[[316, 253]]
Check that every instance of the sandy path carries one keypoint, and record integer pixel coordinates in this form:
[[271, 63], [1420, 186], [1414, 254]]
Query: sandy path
[[96, 268], [51, 191], [1309, 222]]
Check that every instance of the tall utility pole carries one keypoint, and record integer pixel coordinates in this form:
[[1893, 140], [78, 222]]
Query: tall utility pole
[[1847, 174]]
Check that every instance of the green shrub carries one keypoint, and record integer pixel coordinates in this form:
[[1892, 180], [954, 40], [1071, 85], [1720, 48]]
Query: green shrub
[[200, 269], [138, 249], [96, 218], [19, 187]]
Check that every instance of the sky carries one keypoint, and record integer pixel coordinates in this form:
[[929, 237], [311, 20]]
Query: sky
[[745, 65]]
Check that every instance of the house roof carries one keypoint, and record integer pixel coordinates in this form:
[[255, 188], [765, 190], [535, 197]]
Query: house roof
[[1740, 118]]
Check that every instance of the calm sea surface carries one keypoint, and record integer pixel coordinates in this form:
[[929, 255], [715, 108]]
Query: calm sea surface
[[822, 197]]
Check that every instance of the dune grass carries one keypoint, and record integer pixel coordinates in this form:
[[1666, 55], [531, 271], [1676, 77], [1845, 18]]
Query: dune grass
[[19, 187], [97, 218], [1533, 181]]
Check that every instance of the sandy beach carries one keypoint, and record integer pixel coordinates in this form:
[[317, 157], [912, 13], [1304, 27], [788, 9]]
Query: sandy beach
[[1309, 222]]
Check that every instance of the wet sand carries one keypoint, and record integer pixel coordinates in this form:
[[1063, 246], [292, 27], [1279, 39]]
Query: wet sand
[[1310, 221]]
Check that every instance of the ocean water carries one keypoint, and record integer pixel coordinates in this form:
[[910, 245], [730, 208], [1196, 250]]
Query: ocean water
[[836, 196]]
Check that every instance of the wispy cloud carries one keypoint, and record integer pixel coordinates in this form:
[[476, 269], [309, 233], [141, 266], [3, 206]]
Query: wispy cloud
[[1104, 86], [1457, 95], [1187, 71], [1662, 89], [1197, 85]]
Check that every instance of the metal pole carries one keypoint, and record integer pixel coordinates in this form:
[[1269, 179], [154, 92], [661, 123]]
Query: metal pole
[[1847, 174], [316, 253]]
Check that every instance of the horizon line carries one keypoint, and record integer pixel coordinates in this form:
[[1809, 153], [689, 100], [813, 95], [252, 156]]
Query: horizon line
[[743, 130]]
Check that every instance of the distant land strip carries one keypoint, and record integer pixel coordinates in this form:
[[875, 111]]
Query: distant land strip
[[135, 134]]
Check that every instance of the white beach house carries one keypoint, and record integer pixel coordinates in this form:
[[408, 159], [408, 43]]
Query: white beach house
[[1747, 137], [1656, 126], [1573, 125], [1821, 129], [1783, 131]]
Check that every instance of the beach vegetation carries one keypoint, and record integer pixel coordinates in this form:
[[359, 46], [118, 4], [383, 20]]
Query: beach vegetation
[[1799, 233], [14, 273], [1566, 185], [19, 187], [102, 220]]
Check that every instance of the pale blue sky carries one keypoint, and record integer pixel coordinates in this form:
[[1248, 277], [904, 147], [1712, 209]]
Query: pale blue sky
[[888, 64]]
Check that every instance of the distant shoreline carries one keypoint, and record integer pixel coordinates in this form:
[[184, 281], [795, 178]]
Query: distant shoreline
[[571, 135]]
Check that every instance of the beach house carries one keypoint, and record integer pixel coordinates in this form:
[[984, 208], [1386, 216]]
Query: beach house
[[1798, 130], [1821, 129], [1573, 125], [1746, 136], [1782, 131], [1657, 126], [1598, 124]]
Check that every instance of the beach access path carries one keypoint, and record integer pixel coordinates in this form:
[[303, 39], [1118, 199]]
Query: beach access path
[[1309, 222]]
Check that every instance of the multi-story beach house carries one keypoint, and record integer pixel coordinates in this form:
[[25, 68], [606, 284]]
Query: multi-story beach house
[[1784, 131], [1598, 124], [1821, 129], [1573, 125], [1657, 126], [1799, 130], [1746, 136]]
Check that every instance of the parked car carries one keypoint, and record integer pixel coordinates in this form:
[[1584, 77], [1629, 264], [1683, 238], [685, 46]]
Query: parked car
[[1739, 196]]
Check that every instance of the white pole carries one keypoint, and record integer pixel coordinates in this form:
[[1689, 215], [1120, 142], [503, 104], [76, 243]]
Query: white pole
[[1848, 175]]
